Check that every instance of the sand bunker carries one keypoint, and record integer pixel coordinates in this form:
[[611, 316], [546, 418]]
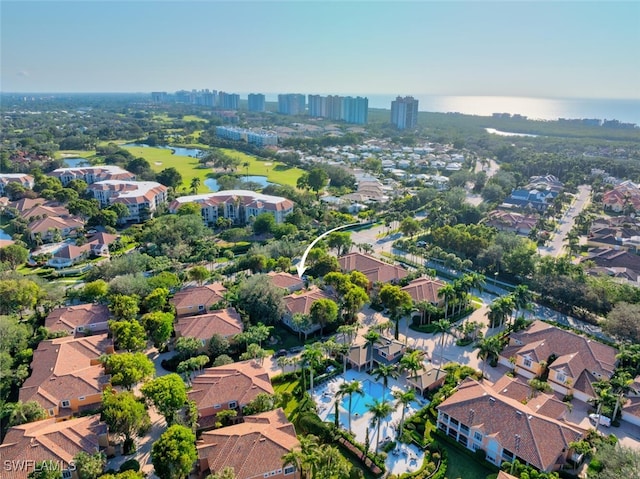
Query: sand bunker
[[157, 163]]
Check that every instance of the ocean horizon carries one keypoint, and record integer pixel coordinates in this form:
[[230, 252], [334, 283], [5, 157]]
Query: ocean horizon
[[625, 111]]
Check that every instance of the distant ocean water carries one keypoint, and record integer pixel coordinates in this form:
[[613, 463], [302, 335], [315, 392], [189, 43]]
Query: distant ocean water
[[626, 111]]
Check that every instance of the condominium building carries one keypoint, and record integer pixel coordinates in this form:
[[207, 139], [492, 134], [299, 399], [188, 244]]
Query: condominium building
[[228, 101], [92, 174], [142, 198], [236, 205], [355, 110], [334, 107], [291, 104], [404, 112], [23, 179], [256, 102], [260, 138]]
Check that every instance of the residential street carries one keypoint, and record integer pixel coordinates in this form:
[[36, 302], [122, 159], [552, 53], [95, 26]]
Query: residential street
[[556, 245]]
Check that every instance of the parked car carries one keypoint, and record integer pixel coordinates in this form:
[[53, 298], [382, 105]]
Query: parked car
[[603, 420], [280, 353]]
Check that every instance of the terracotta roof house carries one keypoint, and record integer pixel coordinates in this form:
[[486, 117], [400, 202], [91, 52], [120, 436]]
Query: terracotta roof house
[[92, 174], [46, 227], [288, 281], [631, 409], [51, 440], [225, 322], [374, 269], [504, 475], [236, 205], [253, 448], [70, 254], [23, 179], [142, 198], [425, 289], [100, 243], [79, 319], [67, 375], [25, 204], [479, 418], [574, 361], [428, 378], [625, 195], [42, 211], [511, 221], [609, 258], [197, 300], [227, 387], [300, 303]]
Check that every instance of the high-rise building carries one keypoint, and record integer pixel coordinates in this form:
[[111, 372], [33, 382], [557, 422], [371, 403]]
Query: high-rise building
[[256, 102], [208, 98], [159, 96], [317, 106], [334, 107], [291, 104], [355, 110], [404, 112], [228, 101]]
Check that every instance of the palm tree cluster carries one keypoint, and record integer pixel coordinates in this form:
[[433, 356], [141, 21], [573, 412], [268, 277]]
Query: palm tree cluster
[[457, 293], [317, 461], [503, 308]]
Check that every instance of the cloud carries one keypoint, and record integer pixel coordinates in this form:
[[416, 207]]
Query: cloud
[[23, 73]]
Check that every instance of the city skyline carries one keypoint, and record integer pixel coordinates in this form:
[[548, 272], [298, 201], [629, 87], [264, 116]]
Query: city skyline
[[474, 48]]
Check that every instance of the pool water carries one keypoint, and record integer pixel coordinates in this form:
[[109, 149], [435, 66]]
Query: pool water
[[372, 391]]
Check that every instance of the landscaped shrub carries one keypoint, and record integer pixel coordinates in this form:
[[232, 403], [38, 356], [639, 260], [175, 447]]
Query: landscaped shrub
[[130, 465]]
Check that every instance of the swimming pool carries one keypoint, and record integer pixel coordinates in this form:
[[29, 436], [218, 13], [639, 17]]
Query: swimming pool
[[372, 391]]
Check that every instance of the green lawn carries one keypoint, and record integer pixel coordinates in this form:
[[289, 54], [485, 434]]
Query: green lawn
[[161, 158], [75, 154], [459, 465], [193, 118]]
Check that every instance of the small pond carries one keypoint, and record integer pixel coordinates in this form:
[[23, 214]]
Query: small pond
[[75, 162], [212, 184], [177, 150]]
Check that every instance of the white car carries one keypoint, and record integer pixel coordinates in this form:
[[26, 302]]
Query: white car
[[604, 420]]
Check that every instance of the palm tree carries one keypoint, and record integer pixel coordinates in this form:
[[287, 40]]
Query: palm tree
[[488, 348], [412, 362], [460, 289], [195, 184], [442, 327], [522, 297], [449, 294], [349, 389], [404, 398], [246, 165], [603, 395], [385, 371], [380, 410], [371, 338], [304, 457], [621, 384], [311, 357]]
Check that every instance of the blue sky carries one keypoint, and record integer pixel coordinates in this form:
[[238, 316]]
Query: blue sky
[[510, 48]]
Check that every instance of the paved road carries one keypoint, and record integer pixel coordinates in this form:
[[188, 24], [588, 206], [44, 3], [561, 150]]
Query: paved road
[[556, 245]]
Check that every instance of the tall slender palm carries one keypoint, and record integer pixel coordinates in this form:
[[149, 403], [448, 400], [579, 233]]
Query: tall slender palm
[[442, 327], [603, 395], [522, 297], [304, 457], [461, 290], [349, 389], [448, 294], [404, 398], [372, 338], [384, 372], [621, 384], [311, 357], [412, 363], [195, 184], [380, 410]]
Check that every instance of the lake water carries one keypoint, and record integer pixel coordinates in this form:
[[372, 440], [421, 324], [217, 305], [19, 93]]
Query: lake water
[[3, 235], [177, 150], [75, 162], [212, 184]]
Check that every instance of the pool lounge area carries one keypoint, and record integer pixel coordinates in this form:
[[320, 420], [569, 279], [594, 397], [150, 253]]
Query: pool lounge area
[[405, 457]]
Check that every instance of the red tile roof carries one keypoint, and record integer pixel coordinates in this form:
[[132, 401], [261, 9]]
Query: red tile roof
[[425, 289], [287, 281], [70, 317], [49, 440], [225, 322], [240, 382], [301, 302], [66, 368], [253, 448], [201, 295], [374, 269], [539, 440]]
